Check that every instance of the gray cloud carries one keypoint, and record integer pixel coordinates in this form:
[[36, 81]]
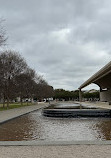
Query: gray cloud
[[67, 41]]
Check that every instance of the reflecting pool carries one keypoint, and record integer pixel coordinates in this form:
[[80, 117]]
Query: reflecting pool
[[34, 126]]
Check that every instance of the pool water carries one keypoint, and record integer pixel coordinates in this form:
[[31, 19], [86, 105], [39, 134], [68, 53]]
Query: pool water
[[34, 126]]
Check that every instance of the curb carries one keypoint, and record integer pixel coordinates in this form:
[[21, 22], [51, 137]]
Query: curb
[[25, 113], [52, 143]]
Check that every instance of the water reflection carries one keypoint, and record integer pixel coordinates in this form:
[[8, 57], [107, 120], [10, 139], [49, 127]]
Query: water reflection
[[36, 127], [103, 127], [18, 129]]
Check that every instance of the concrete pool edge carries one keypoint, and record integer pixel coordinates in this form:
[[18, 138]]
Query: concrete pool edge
[[52, 143], [13, 113]]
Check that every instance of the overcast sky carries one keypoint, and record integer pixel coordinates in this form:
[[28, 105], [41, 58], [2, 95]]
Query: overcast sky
[[66, 41]]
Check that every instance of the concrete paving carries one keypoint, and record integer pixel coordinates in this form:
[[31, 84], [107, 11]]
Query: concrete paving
[[70, 151], [13, 113], [52, 143], [103, 105]]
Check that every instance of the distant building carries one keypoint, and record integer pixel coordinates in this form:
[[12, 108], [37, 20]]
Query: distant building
[[92, 91], [103, 79]]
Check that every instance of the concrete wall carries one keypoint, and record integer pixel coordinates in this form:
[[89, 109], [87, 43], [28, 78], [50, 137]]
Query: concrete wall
[[105, 95]]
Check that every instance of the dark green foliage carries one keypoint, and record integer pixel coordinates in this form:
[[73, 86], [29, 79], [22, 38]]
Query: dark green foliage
[[73, 95], [91, 95], [66, 95]]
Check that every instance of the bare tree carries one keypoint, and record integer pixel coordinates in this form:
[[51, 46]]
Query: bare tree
[[11, 65], [43, 89], [18, 80], [3, 38], [25, 84]]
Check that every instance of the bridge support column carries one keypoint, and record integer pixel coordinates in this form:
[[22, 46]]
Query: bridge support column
[[80, 95]]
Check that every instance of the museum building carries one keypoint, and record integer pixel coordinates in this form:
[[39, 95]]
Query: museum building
[[103, 79]]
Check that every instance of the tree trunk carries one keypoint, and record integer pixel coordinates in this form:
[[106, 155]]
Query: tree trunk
[[7, 102], [3, 103], [3, 100], [21, 100], [32, 101]]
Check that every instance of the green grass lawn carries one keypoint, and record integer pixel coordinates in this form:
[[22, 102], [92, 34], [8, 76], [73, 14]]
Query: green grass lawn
[[14, 105]]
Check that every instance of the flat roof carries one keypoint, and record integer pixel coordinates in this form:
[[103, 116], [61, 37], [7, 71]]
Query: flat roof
[[101, 73]]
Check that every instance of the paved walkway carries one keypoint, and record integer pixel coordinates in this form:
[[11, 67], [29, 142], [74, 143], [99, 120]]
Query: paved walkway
[[71, 151], [13, 113], [104, 105]]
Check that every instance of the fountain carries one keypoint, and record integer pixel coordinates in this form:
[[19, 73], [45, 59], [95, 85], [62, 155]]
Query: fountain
[[75, 110]]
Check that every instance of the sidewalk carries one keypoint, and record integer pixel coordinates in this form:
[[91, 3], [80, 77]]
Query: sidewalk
[[13, 113], [72, 151], [103, 105]]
